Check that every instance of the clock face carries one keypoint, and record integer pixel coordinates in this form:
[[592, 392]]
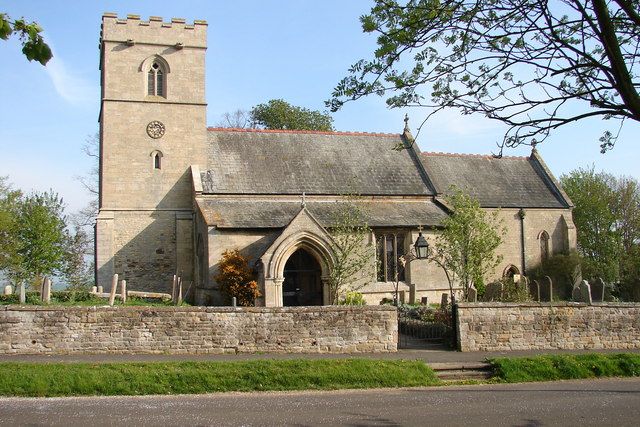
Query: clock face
[[155, 129]]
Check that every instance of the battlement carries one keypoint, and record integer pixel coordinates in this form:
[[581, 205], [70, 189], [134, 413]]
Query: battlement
[[133, 30]]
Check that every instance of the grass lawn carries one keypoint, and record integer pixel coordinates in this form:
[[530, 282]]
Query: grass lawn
[[86, 379], [565, 367]]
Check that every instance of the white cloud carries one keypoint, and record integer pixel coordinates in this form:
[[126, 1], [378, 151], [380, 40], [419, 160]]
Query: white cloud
[[70, 85]]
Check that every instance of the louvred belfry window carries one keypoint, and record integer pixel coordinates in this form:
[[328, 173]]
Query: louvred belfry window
[[156, 81]]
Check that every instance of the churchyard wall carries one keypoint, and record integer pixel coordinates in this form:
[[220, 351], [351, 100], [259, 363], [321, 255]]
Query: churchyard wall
[[196, 330], [547, 326]]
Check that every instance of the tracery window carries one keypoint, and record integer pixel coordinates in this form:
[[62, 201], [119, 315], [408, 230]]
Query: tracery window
[[389, 247], [156, 80]]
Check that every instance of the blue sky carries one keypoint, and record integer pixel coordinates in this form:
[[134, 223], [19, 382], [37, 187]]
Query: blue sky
[[258, 50]]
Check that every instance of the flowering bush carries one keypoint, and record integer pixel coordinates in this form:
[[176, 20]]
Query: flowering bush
[[236, 279]]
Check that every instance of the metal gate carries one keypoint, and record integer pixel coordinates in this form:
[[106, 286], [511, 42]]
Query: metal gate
[[423, 326]]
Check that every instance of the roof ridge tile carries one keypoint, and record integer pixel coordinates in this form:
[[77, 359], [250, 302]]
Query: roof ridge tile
[[295, 131], [488, 156]]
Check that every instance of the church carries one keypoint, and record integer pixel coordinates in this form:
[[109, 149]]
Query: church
[[175, 194]]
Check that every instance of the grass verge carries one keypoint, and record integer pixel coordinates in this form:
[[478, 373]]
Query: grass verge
[[85, 379], [565, 367]]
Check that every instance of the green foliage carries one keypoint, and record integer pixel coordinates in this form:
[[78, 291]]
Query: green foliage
[[562, 269], [353, 298], [236, 279], [125, 379], [565, 367], [354, 259], [279, 114], [40, 236], [607, 218], [526, 64], [514, 292], [599, 240], [468, 242], [33, 45]]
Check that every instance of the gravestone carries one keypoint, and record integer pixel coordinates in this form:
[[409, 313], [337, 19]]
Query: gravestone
[[444, 300], [402, 295], [114, 287], [123, 291], [8, 290], [23, 294], [472, 294], [597, 290], [493, 291], [534, 290], [424, 301], [101, 289], [412, 293], [585, 292], [546, 289], [174, 288], [46, 291], [94, 289]]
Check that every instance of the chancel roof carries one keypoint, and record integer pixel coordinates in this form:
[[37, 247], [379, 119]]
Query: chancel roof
[[251, 213], [519, 182], [249, 161]]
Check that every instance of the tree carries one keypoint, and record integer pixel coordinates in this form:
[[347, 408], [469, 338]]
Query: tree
[[279, 114], [8, 223], [354, 259], [466, 246], [595, 219], [607, 219], [534, 65], [87, 216], [75, 270], [236, 279], [41, 236], [33, 45], [238, 119]]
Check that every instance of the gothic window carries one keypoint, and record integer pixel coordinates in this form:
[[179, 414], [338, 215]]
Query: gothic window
[[156, 80], [389, 246], [544, 245]]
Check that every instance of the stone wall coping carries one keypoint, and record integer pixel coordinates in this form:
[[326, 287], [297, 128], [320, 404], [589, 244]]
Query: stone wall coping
[[546, 304], [200, 309]]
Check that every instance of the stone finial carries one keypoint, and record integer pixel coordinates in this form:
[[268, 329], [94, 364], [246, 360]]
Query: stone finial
[[406, 123], [303, 202]]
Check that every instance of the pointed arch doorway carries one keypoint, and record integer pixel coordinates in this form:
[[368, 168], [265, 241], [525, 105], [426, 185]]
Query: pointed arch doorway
[[302, 280]]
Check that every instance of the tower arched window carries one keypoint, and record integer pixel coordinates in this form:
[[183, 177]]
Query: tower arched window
[[156, 82], [544, 245], [156, 157]]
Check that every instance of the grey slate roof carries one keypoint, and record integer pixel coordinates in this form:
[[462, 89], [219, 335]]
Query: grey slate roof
[[495, 182], [292, 162], [224, 213]]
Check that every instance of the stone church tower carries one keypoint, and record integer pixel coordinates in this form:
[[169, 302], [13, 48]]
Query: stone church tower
[[152, 128]]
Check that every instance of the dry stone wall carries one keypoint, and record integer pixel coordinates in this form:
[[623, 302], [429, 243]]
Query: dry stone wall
[[545, 326], [196, 330]]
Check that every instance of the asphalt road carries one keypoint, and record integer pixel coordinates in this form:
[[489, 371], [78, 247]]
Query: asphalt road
[[567, 403]]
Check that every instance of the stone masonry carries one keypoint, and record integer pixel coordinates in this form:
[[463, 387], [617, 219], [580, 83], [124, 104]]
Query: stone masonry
[[196, 330], [545, 326]]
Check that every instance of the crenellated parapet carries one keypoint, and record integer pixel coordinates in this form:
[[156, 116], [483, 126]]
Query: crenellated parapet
[[154, 31]]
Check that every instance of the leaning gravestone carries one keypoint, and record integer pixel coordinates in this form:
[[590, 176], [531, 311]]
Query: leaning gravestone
[[534, 290], [472, 294], [8, 290], [597, 290], [444, 301], [585, 292], [546, 289], [493, 291]]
